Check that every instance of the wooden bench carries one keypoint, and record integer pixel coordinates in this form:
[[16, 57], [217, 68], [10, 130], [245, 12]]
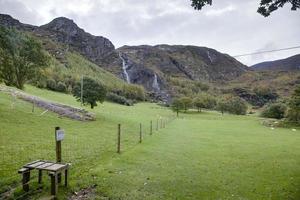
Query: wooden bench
[[54, 170]]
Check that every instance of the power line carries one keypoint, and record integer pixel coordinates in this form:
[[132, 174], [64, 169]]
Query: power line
[[269, 51]]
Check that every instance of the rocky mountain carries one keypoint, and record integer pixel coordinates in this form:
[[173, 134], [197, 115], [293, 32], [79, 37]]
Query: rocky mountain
[[64, 31], [154, 67], [288, 64]]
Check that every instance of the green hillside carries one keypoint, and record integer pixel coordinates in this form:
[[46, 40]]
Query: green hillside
[[197, 156], [77, 66]]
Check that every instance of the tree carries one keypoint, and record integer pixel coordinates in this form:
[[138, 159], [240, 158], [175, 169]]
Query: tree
[[222, 105], [209, 101], [199, 103], [237, 106], [294, 104], [177, 105], [274, 110], [233, 105], [187, 102], [22, 57], [265, 8], [93, 91]]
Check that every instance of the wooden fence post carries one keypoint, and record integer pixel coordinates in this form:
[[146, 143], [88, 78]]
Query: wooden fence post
[[157, 124], [119, 139], [58, 152], [151, 127], [141, 133]]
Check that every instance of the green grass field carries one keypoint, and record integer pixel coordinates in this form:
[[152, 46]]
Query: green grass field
[[197, 156]]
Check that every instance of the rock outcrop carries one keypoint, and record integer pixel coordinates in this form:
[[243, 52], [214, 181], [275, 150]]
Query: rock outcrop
[[64, 30], [151, 66]]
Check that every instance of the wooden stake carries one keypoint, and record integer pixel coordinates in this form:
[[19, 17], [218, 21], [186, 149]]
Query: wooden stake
[[58, 153], [119, 139], [141, 134], [151, 127]]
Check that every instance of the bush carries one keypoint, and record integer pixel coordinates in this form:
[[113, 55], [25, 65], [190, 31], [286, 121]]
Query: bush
[[237, 106], [294, 104], [51, 84], [118, 99], [275, 110], [233, 105], [209, 101], [134, 92], [61, 87], [266, 94], [187, 102]]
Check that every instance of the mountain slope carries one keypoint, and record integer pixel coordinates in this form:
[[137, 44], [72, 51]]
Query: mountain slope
[[147, 65], [153, 66], [61, 38], [158, 68], [288, 64]]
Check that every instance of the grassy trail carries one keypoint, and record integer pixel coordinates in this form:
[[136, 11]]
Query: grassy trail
[[208, 156]]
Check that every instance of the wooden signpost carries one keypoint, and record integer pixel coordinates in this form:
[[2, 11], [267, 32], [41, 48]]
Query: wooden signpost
[[59, 136]]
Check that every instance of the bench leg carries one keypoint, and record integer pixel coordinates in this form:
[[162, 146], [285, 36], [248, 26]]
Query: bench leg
[[25, 180], [40, 176], [54, 184], [66, 177], [59, 177]]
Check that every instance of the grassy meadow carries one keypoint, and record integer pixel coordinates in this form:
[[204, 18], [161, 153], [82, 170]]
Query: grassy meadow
[[197, 156]]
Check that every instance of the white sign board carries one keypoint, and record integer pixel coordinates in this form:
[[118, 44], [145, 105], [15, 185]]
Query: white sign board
[[60, 134]]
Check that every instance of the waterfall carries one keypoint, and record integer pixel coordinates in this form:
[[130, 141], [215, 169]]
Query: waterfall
[[124, 67], [208, 55], [155, 84]]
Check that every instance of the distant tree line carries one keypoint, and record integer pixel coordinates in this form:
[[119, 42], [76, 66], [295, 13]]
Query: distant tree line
[[229, 103]]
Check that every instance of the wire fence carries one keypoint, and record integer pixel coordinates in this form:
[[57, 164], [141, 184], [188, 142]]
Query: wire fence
[[83, 152]]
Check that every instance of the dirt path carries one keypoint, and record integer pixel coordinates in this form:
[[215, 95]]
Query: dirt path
[[61, 109]]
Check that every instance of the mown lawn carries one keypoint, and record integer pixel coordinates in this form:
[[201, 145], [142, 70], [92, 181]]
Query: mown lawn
[[197, 156]]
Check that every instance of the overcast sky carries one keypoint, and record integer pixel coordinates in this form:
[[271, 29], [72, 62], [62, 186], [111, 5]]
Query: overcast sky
[[230, 26]]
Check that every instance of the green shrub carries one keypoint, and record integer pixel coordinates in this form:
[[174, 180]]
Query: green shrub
[[233, 105], [51, 84], [61, 87], [133, 92], [274, 110], [118, 99], [187, 102], [294, 107]]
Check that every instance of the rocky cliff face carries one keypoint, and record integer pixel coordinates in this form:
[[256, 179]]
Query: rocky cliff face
[[64, 30], [150, 66]]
